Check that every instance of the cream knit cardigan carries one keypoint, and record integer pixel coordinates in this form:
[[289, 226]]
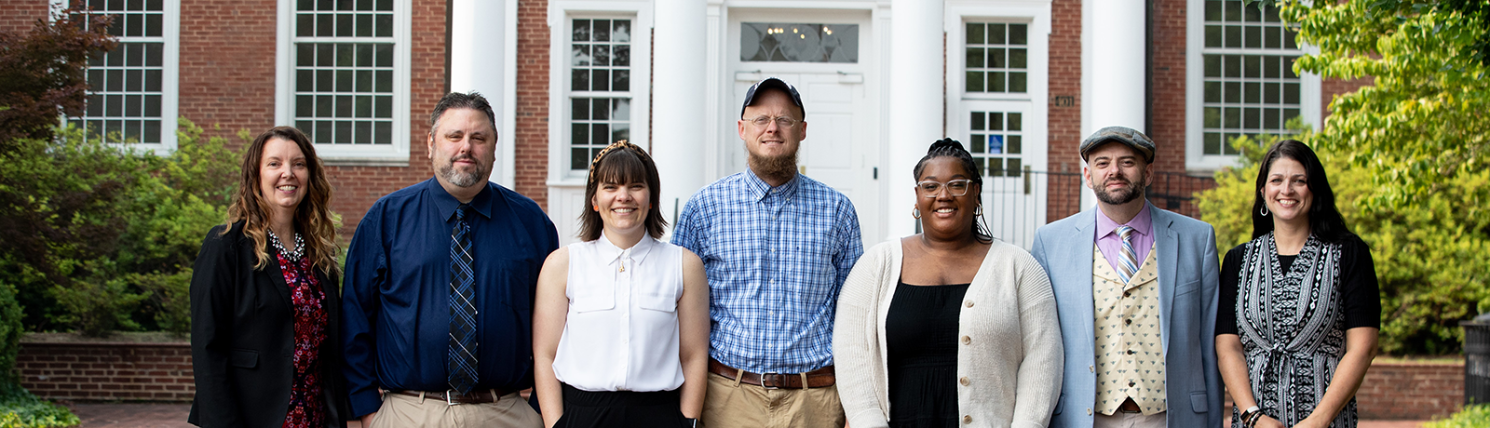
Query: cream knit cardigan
[[1009, 358]]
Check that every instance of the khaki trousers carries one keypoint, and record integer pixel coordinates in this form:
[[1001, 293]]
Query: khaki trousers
[[403, 411], [1130, 420], [731, 404]]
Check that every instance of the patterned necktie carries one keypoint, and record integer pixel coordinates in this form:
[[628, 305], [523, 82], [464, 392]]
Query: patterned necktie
[[1127, 258], [460, 364]]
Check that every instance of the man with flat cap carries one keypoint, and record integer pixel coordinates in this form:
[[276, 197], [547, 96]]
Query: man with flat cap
[[1136, 290], [776, 246]]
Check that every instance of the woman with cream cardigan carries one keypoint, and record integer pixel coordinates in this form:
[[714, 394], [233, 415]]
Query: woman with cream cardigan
[[948, 327]]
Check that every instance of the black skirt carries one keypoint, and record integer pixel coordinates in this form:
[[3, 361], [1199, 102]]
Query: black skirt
[[621, 409]]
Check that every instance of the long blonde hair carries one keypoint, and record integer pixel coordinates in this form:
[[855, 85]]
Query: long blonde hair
[[312, 217]]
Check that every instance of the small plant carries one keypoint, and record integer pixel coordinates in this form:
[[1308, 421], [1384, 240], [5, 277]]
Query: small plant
[[1475, 416], [20, 409]]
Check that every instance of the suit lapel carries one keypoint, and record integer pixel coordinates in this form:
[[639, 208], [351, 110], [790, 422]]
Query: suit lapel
[[1079, 266], [1166, 242], [277, 278]]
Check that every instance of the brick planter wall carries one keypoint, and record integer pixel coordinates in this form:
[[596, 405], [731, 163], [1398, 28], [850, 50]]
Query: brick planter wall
[[1411, 391], [107, 371]]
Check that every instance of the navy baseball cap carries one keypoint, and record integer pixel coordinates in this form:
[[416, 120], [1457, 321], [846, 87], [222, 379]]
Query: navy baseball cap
[[773, 83]]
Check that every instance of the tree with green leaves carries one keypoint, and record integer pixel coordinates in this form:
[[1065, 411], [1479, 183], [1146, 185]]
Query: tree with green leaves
[[42, 73]]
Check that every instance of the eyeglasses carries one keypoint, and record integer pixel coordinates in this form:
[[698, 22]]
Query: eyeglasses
[[930, 188], [781, 122]]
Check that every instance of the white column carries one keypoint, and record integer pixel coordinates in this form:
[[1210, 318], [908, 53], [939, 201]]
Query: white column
[[478, 48], [678, 101], [915, 112], [1113, 41]]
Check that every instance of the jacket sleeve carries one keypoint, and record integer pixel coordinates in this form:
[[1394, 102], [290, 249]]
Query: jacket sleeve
[[1040, 371], [856, 345], [365, 270], [214, 279], [1210, 284]]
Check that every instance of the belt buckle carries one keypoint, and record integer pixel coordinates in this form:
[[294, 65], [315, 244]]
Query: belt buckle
[[763, 380], [449, 401]]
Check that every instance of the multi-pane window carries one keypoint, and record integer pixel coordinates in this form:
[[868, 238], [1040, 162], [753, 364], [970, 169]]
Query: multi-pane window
[[1250, 87], [126, 88], [997, 142], [344, 67], [783, 42], [599, 87], [997, 58]]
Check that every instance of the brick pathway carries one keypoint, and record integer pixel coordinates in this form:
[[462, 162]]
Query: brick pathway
[[174, 416]]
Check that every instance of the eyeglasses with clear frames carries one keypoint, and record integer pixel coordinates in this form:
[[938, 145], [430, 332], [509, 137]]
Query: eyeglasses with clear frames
[[931, 189], [781, 122]]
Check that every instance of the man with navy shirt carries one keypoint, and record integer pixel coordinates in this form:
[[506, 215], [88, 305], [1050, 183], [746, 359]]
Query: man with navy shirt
[[440, 278]]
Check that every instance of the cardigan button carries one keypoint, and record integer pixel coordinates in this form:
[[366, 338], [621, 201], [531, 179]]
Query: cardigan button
[[967, 340], [967, 419], [964, 381], [970, 303]]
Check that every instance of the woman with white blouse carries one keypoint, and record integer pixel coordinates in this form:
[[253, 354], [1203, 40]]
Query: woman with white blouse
[[621, 323]]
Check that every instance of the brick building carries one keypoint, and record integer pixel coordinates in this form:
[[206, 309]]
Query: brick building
[[1019, 81]]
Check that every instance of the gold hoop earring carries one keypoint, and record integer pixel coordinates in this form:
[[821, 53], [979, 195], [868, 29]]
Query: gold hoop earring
[[916, 212]]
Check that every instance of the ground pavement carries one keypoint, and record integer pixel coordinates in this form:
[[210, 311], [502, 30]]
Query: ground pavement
[[174, 416]]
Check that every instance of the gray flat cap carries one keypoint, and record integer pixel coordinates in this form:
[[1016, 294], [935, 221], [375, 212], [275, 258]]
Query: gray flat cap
[[1120, 134]]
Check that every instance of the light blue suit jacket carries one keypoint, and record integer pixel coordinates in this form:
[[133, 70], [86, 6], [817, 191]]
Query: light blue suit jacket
[[1189, 276]]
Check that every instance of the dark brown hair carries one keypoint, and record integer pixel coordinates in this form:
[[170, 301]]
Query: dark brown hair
[[312, 217], [622, 163]]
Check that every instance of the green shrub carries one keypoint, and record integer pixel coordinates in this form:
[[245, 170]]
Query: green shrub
[[1429, 254], [10, 332], [170, 292], [20, 409], [1476, 416]]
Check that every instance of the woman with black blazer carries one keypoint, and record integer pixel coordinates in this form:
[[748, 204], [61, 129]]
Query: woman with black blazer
[[265, 297]]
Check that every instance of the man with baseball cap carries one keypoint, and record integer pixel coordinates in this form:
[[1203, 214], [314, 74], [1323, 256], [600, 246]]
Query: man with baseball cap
[[776, 246], [1136, 289]]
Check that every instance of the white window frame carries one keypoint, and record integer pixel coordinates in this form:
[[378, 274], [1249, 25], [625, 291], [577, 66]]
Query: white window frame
[[1035, 13], [561, 17], [396, 154], [170, 88], [1310, 99]]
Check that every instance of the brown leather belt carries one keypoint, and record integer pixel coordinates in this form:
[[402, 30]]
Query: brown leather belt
[[1129, 406], [453, 398], [815, 379]]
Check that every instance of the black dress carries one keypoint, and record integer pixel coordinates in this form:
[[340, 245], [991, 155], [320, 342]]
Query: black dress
[[921, 333]]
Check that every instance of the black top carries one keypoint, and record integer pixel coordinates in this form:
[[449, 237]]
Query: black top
[[1359, 293], [921, 332]]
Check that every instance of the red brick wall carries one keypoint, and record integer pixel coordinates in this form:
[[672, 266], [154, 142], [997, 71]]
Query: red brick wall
[[1411, 391], [227, 65], [1330, 88], [1167, 84], [531, 158], [1064, 120], [107, 371], [19, 17]]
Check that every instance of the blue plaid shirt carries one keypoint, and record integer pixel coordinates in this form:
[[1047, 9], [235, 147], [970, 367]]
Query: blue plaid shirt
[[776, 259]]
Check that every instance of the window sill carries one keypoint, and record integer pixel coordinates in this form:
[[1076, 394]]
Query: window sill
[[375, 162]]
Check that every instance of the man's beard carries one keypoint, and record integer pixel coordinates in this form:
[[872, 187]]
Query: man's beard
[[1118, 196], [780, 167], [461, 179]]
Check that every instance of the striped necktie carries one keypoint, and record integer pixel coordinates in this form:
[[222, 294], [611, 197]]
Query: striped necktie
[[1127, 258], [460, 364]]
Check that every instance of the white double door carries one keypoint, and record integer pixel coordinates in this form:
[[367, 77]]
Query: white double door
[[842, 148]]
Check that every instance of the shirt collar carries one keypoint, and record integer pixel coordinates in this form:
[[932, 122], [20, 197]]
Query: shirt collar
[[1142, 223], [610, 253], [447, 204], [759, 189]]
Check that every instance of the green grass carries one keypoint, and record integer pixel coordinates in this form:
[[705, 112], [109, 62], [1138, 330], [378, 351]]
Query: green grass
[[1476, 416], [20, 409]]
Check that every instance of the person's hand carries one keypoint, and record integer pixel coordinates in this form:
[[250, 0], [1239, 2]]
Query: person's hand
[[1268, 422], [368, 418]]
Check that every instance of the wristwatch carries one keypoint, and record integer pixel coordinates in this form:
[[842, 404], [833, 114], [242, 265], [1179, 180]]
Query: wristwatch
[[691, 422]]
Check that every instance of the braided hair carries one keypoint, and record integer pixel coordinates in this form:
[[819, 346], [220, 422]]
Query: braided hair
[[948, 147]]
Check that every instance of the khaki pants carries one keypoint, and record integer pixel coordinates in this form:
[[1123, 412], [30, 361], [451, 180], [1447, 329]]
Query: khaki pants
[[731, 404], [403, 411], [1130, 420]]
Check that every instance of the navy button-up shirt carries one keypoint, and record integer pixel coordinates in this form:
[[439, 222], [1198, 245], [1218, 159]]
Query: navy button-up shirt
[[395, 300]]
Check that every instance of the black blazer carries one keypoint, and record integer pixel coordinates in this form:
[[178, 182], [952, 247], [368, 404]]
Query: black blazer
[[243, 338]]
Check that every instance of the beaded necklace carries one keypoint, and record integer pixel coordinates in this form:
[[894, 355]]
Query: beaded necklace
[[292, 256]]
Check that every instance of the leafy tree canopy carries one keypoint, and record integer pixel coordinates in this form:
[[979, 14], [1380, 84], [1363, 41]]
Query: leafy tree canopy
[[42, 73]]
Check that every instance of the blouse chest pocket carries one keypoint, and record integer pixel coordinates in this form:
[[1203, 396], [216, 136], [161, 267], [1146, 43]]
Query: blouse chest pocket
[[592, 298], [657, 302]]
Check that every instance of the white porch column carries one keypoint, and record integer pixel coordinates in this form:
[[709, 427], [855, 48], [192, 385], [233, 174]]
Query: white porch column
[[479, 43], [678, 101], [915, 109], [1113, 42]]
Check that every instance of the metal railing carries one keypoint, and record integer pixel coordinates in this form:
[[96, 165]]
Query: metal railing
[[1014, 206]]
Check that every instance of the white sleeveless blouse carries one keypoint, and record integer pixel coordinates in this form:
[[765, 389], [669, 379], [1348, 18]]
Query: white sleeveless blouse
[[621, 333]]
